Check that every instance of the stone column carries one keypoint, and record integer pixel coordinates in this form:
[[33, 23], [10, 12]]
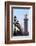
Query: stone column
[[26, 26]]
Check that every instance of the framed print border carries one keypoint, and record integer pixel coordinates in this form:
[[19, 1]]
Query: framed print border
[[7, 22]]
